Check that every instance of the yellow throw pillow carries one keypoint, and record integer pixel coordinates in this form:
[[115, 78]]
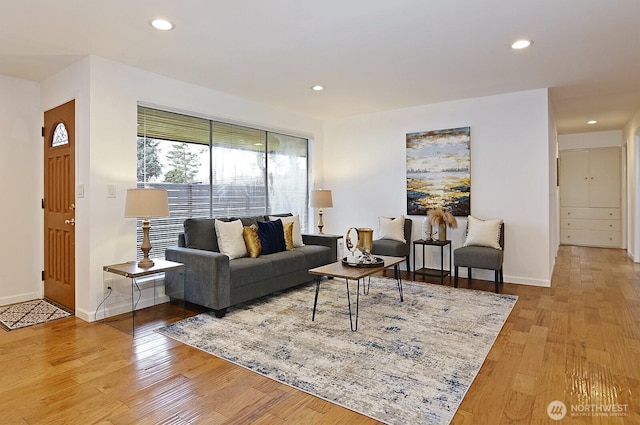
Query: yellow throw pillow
[[252, 241], [288, 235]]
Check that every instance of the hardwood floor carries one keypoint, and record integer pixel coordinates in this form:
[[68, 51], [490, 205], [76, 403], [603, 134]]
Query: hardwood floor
[[577, 342]]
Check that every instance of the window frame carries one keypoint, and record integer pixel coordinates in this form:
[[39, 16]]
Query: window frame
[[148, 128]]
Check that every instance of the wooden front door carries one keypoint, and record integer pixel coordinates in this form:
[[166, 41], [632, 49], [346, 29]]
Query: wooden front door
[[59, 205]]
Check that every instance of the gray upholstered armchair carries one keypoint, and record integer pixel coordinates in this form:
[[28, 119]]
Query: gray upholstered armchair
[[481, 257], [395, 248]]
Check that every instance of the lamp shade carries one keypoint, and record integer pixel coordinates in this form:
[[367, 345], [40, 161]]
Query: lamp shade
[[146, 203], [320, 199]]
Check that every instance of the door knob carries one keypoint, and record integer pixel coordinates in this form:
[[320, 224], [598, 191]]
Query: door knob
[[71, 222]]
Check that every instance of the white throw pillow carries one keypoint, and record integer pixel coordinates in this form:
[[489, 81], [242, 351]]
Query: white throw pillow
[[230, 238], [297, 234], [392, 228], [483, 232]]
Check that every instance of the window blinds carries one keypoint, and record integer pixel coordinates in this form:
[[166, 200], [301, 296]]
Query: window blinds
[[163, 125]]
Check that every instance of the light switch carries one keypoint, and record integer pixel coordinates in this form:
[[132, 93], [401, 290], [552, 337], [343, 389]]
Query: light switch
[[111, 191], [80, 190]]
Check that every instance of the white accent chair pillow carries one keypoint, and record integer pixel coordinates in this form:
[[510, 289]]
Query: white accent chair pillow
[[392, 228], [483, 232], [230, 238], [297, 234]]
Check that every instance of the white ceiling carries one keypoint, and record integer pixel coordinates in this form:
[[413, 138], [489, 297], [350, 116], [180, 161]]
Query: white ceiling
[[371, 55]]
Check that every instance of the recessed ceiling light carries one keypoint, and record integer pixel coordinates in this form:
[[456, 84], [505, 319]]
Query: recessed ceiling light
[[162, 24], [317, 87], [521, 44], [591, 122]]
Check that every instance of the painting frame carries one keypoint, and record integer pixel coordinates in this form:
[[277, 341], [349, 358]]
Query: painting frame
[[439, 171]]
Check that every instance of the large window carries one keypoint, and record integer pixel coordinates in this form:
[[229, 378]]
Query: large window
[[217, 169]]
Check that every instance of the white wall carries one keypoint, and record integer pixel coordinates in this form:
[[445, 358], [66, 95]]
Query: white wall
[[21, 163], [554, 191], [107, 94], [365, 163], [631, 139], [598, 139]]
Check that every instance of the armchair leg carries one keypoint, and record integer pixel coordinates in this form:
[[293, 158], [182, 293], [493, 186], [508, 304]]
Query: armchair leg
[[408, 266], [497, 281], [455, 276], [469, 274]]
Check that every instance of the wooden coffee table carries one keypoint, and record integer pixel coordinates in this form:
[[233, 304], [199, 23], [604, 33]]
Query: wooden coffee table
[[341, 271]]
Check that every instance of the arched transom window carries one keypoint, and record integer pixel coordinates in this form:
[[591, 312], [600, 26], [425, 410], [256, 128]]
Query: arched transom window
[[60, 136]]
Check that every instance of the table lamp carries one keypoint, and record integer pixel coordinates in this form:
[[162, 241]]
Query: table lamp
[[146, 203], [320, 199]]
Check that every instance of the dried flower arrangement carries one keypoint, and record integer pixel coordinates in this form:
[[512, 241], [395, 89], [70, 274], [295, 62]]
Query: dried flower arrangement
[[441, 219], [438, 216]]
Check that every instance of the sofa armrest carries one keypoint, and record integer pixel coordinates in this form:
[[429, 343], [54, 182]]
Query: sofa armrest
[[330, 241], [207, 276]]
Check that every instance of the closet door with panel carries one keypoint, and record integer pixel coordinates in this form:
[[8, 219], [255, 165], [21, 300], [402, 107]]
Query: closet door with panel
[[590, 197]]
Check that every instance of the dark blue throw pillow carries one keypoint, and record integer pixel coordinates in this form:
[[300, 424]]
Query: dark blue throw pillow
[[271, 234]]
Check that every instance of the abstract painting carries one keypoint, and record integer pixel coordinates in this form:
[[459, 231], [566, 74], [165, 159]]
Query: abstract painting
[[438, 171]]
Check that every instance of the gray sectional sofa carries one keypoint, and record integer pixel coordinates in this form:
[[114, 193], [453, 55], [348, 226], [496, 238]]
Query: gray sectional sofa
[[213, 280]]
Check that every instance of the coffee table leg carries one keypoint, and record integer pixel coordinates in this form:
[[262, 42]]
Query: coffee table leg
[[357, 305], [315, 301], [396, 271]]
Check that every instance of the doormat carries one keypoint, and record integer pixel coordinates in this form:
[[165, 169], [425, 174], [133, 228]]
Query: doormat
[[29, 313]]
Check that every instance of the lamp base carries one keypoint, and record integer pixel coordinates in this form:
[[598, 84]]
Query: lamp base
[[145, 263], [320, 223]]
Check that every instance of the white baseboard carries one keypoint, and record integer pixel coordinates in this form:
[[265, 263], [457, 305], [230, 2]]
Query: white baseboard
[[526, 281], [87, 316], [14, 299], [125, 306], [489, 275]]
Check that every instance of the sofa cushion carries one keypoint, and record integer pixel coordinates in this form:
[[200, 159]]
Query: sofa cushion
[[286, 262], [200, 233], [230, 239], [316, 255], [277, 216], [248, 221], [480, 257], [390, 247], [271, 235], [244, 271]]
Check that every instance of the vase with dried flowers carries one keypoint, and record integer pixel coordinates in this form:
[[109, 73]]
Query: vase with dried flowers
[[442, 219]]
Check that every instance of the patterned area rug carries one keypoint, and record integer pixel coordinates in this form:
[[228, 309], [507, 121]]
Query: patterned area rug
[[29, 313], [410, 362]]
